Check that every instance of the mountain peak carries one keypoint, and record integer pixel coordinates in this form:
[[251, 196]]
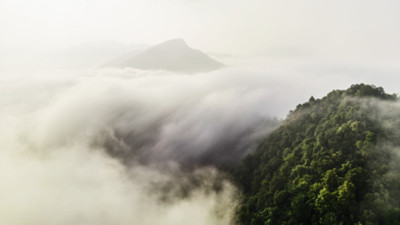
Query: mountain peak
[[177, 44], [176, 41], [173, 55]]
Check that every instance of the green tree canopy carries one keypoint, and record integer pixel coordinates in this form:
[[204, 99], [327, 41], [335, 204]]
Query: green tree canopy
[[324, 165]]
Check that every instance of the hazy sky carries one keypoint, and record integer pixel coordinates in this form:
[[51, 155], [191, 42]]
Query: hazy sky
[[358, 27]]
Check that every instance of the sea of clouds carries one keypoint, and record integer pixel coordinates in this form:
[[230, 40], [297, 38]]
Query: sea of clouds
[[126, 146]]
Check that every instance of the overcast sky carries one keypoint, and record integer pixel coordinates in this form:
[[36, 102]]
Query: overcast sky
[[340, 28]]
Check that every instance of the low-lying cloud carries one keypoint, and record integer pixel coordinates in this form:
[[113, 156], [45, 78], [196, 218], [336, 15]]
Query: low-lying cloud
[[157, 117], [126, 146], [109, 146], [75, 185]]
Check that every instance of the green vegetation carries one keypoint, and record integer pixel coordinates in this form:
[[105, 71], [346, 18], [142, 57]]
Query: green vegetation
[[329, 163]]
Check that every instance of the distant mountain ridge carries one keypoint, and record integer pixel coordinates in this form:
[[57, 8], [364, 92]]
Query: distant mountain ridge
[[173, 55], [90, 54]]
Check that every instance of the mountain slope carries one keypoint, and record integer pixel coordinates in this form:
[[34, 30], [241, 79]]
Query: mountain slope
[[174, 55], [333, 161]]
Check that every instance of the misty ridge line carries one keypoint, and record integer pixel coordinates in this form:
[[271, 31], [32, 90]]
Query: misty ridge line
[[173, 55]]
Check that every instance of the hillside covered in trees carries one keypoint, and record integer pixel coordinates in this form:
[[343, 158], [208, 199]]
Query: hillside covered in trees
[[333, 161]]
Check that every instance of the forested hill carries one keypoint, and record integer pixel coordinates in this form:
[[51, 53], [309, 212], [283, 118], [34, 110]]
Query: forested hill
[[333, 161]]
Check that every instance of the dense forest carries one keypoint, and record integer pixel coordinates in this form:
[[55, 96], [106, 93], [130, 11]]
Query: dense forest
[[332, 161]]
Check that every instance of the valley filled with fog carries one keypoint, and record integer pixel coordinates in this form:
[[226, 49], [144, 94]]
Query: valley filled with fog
[[146, 127]]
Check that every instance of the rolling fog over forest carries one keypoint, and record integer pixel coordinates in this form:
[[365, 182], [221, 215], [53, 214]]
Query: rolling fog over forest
[[187, 112]]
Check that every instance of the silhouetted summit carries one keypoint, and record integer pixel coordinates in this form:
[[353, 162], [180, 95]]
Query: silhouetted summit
[[173, 55]]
